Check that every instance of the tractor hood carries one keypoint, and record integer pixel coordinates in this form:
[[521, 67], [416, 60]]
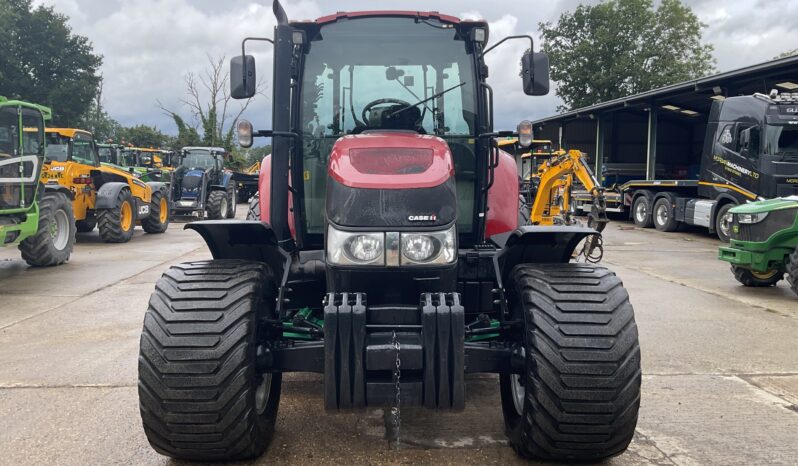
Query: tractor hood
[[191, 184], [769, 205], [391, 179]]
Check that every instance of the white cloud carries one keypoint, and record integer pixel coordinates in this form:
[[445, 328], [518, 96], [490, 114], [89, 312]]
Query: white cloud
[[149, 45]]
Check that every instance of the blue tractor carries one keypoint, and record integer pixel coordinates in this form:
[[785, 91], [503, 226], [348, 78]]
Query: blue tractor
[[202, 186]]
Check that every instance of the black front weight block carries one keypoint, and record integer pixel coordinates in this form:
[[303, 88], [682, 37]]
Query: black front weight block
[[359, 364]]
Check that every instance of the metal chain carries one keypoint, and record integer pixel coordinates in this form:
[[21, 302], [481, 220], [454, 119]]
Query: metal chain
[[396, 409]]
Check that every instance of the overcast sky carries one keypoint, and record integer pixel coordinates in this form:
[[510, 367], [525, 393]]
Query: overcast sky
[[149, 45]]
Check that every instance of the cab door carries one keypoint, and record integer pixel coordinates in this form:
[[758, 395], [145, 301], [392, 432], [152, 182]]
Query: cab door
[[84, 159], [735, 159]]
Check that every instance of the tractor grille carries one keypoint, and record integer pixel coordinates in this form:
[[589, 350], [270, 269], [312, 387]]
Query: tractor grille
[[759, 232]]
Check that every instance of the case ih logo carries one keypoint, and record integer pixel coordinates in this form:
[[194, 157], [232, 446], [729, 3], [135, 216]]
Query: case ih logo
[[422, 218]]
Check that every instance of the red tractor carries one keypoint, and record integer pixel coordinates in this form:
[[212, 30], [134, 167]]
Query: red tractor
[[389, 259]]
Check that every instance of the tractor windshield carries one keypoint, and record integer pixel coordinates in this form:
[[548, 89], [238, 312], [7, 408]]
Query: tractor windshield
[[387, 73], [106, 154], [57, 147], [198, 159]]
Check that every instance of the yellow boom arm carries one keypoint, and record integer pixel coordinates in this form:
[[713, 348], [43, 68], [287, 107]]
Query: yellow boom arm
[[553, 195]]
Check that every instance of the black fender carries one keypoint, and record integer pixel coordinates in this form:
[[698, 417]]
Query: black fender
[[244, 239], [217, 187], [57, 188], [536, 244], [157, 185], [106, 195]]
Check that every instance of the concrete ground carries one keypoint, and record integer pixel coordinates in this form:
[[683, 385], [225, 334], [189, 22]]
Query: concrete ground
[[720, 366]]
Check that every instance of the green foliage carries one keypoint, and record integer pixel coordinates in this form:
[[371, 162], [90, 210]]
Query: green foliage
[[42, 61], [256, 154], [243, 158], [786, 54], [144, 136], [623, 47], [186, 135]]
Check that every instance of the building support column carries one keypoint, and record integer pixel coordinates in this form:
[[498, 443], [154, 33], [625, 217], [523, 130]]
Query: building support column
[[599, 162], [651, 147]]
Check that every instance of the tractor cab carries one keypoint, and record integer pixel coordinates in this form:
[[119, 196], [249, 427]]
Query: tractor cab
[[109, 154]]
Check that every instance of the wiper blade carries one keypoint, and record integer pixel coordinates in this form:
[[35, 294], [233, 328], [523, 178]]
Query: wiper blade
[[433, 96]]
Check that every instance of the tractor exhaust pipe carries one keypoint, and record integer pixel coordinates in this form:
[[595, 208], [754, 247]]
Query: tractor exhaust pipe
[[279, 13], [281, 108]]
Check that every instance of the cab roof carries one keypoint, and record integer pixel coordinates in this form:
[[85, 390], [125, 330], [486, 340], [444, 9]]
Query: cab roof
[[68, 132], [396, 13], [47, 113], [143, 149], [212, 149]]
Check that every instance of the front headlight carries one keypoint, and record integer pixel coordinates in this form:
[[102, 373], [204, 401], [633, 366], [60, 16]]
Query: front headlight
[[751, 218], [429, 247], [354, 248], [411, 248]]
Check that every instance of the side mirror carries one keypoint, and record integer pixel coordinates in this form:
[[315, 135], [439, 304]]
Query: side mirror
[[535, 73], [242, 77]]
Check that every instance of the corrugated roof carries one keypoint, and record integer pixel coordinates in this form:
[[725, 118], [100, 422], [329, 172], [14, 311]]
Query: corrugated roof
[[686, 87]]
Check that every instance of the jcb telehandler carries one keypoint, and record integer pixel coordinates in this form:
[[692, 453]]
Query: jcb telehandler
[[389, 259], [35, 217], [105, 197]]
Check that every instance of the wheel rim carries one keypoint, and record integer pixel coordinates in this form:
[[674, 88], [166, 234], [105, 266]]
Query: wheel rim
[[662, 215], [519, 393], [641, 211], [164, 212], [764, 275], [724, 226], [262, 393], [126, 216], [223, 207], [59, 230]]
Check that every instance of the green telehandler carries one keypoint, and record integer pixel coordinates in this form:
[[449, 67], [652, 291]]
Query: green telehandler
[[37, 217]]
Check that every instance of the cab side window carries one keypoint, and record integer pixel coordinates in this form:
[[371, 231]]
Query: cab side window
[[748, 141], [83, 150]]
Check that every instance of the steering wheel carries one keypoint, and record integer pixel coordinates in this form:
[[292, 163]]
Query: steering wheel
[[379, 102]]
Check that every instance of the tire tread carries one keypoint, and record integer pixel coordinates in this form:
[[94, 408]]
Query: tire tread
[[197, 358], [584, 363]]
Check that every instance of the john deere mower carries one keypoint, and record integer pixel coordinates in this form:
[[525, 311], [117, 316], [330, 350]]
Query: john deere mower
[[111, 199], [388, 258], [35, 217], [202, 186], [764, 243]]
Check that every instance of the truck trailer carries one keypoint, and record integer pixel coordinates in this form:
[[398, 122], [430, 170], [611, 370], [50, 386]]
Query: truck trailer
[[744, 150]]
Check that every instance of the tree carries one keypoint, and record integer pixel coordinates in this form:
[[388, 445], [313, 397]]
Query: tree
[[41, 60], [623, 47], [98, 121], [209, 101], [786, 54], [144, 136]]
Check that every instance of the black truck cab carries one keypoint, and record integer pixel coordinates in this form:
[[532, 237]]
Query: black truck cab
[[754, 151]]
